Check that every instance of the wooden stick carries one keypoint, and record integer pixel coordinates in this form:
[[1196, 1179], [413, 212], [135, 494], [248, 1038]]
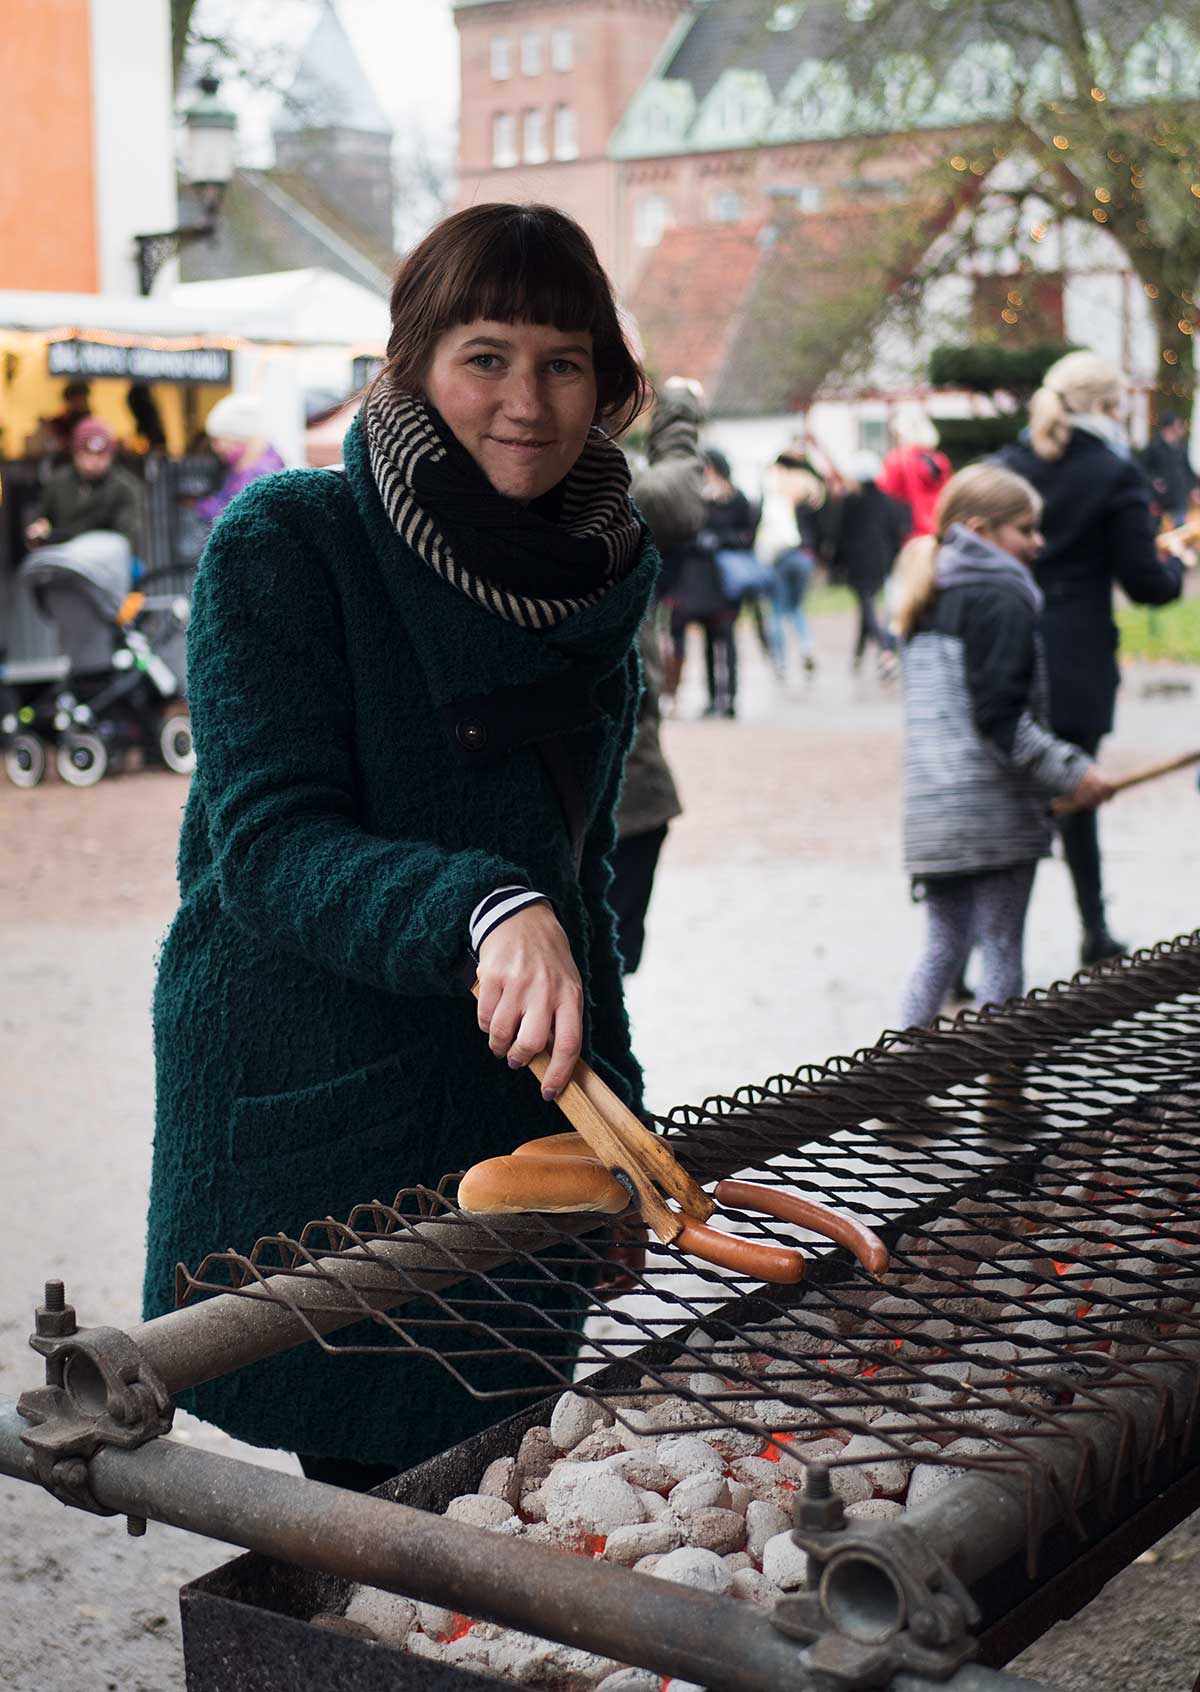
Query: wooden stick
[[1067, 808], [626, 1147]]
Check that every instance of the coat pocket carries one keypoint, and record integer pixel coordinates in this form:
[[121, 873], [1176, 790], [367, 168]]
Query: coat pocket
[[367, 1106]]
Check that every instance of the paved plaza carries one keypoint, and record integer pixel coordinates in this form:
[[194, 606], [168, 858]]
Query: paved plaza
[[780, 934]]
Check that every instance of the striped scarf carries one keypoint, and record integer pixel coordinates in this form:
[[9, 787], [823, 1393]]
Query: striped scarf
[[513, 559]]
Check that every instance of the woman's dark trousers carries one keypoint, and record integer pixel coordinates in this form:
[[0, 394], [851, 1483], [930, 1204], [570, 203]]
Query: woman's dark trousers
[[720, 662], [634, 862], [869, 626], [1081, 848]]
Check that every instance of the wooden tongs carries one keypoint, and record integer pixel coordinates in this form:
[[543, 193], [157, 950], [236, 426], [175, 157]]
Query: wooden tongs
[[641, 1162]]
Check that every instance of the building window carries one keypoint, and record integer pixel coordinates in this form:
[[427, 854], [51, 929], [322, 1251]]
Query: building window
[[726, 206], [535, 138], [562, 50], [651, 219], [566, 133], [531, 55], [504, 140], [501, 58], [873, 435]]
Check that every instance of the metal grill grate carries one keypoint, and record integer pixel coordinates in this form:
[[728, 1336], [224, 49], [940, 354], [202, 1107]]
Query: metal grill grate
[[1035, 1170]]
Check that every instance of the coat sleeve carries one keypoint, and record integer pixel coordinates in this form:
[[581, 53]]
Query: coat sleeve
[[271, 703], [1146, 575], [612, 1048], [1000, 657]]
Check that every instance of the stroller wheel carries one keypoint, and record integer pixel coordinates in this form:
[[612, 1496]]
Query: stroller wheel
[[25, 760], [81, 759], [175, 743]]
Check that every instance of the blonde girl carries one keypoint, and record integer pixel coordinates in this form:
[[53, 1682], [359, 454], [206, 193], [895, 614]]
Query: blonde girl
[[980, 764]]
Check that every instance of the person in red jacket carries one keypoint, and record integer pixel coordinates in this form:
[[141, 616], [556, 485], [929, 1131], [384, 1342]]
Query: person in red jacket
[[914, 470]]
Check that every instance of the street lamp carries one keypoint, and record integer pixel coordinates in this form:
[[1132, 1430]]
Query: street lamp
[[210, 137]]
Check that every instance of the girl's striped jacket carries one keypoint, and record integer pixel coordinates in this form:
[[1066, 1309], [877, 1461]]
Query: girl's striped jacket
[[980, 764]]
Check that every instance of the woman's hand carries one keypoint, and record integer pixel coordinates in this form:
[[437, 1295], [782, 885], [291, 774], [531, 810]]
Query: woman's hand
[[530, 995], [1094, 789]]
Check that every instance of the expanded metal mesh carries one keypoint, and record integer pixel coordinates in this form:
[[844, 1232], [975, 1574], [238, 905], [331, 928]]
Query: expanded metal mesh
[[1035, 1171]]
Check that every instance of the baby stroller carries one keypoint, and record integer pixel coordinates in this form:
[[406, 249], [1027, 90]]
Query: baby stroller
[[122, 683]]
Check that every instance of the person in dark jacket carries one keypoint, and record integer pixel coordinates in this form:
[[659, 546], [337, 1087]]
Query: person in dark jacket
[[1169, 467], [1099, 529], [412, 687], [668, 492], [980, 764], [872, 527], [694, 590], [91, 492]]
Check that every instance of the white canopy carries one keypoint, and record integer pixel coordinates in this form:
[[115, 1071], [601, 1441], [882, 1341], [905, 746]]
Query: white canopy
[[304, 307]]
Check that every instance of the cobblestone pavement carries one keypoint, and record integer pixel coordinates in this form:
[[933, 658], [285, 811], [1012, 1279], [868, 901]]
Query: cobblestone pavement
[[780, 933]]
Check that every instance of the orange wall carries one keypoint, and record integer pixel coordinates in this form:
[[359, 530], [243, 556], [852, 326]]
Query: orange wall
[[47, 186]]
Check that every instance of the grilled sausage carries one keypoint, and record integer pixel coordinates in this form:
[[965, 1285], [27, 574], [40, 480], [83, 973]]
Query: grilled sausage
[[790, 1207]]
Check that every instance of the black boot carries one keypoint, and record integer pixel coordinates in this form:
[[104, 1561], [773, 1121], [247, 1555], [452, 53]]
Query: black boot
[[1099, 944]]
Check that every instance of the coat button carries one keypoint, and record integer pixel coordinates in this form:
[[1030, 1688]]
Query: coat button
[[471, 735]]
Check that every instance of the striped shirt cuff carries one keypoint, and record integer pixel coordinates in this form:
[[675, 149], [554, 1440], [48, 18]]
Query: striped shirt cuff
[[497, 907]]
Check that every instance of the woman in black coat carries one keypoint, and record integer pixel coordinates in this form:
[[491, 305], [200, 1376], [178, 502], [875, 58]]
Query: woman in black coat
[[1099, 529], [872, 527]]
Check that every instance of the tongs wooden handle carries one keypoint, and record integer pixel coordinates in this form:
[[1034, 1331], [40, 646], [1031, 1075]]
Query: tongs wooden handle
[[628, 1149]]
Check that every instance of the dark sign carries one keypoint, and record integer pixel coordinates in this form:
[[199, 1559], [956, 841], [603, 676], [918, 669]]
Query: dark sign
[[140, 364], [363, 369]]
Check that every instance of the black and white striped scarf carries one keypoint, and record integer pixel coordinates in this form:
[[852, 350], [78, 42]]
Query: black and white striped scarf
[[515, 560]]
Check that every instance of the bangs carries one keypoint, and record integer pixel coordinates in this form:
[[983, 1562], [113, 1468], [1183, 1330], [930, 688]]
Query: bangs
[[524, 277]]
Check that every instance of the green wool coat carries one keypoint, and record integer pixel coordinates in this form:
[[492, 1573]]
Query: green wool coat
[[367, 770]]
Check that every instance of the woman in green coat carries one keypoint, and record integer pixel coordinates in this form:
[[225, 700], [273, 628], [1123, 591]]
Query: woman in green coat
[[389, 671]]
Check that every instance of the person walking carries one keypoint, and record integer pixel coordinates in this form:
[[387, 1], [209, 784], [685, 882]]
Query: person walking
[[915, 470], [1168, 464], [870, 532], [91, 492], [1099, 529], [412, 687], [236, 430], [980, 763], [787, 541], [694, 588]]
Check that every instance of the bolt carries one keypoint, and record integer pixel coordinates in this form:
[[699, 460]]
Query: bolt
[[923, 1625], [816, 1481], [135, 1526], [56, 1296]]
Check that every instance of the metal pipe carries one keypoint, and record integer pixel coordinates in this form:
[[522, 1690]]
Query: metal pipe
[[716, 1642], [1081, 1463], [230, 1330]]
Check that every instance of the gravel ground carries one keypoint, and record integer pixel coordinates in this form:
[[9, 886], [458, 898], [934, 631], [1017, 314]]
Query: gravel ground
[[780, 933]]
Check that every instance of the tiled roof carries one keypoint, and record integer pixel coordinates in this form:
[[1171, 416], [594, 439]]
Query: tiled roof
[[278, 220], [763, 316], [690, 295]]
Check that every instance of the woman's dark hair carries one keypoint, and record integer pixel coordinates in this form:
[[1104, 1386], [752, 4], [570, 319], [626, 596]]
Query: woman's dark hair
[[511, 264]]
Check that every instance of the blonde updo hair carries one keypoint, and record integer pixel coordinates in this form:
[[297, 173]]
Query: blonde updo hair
[[1078, 384], [987, 492]]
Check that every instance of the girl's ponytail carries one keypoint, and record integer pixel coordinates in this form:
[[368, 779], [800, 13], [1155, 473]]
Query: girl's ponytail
[[914, 581]]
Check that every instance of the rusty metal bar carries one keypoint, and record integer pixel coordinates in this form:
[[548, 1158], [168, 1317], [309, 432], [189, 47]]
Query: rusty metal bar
[[715, 1642], [202, 1341]]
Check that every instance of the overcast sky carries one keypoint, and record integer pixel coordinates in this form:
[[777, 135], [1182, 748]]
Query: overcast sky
[[408, 48]]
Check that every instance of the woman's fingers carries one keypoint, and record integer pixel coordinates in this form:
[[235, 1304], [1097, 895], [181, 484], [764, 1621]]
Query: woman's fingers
[[567, 1045]]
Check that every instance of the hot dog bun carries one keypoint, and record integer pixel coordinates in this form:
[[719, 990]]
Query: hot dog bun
[[506, 1186], [557, 1145]]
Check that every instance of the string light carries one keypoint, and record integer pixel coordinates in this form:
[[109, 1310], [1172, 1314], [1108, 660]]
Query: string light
[[1103, 195], [1170, 357], [1099, 94], [1100, 215], [1151, 290], [958, 162], [1061, 142], [1039, 232]]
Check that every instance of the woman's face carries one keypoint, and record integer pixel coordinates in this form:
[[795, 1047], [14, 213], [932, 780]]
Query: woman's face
[[520, 397]]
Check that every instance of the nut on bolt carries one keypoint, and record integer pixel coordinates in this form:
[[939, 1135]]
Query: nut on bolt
[[818, 1508], [55, 1319]]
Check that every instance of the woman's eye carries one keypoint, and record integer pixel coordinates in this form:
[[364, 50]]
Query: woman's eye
[[485, 361], [563, 366]]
